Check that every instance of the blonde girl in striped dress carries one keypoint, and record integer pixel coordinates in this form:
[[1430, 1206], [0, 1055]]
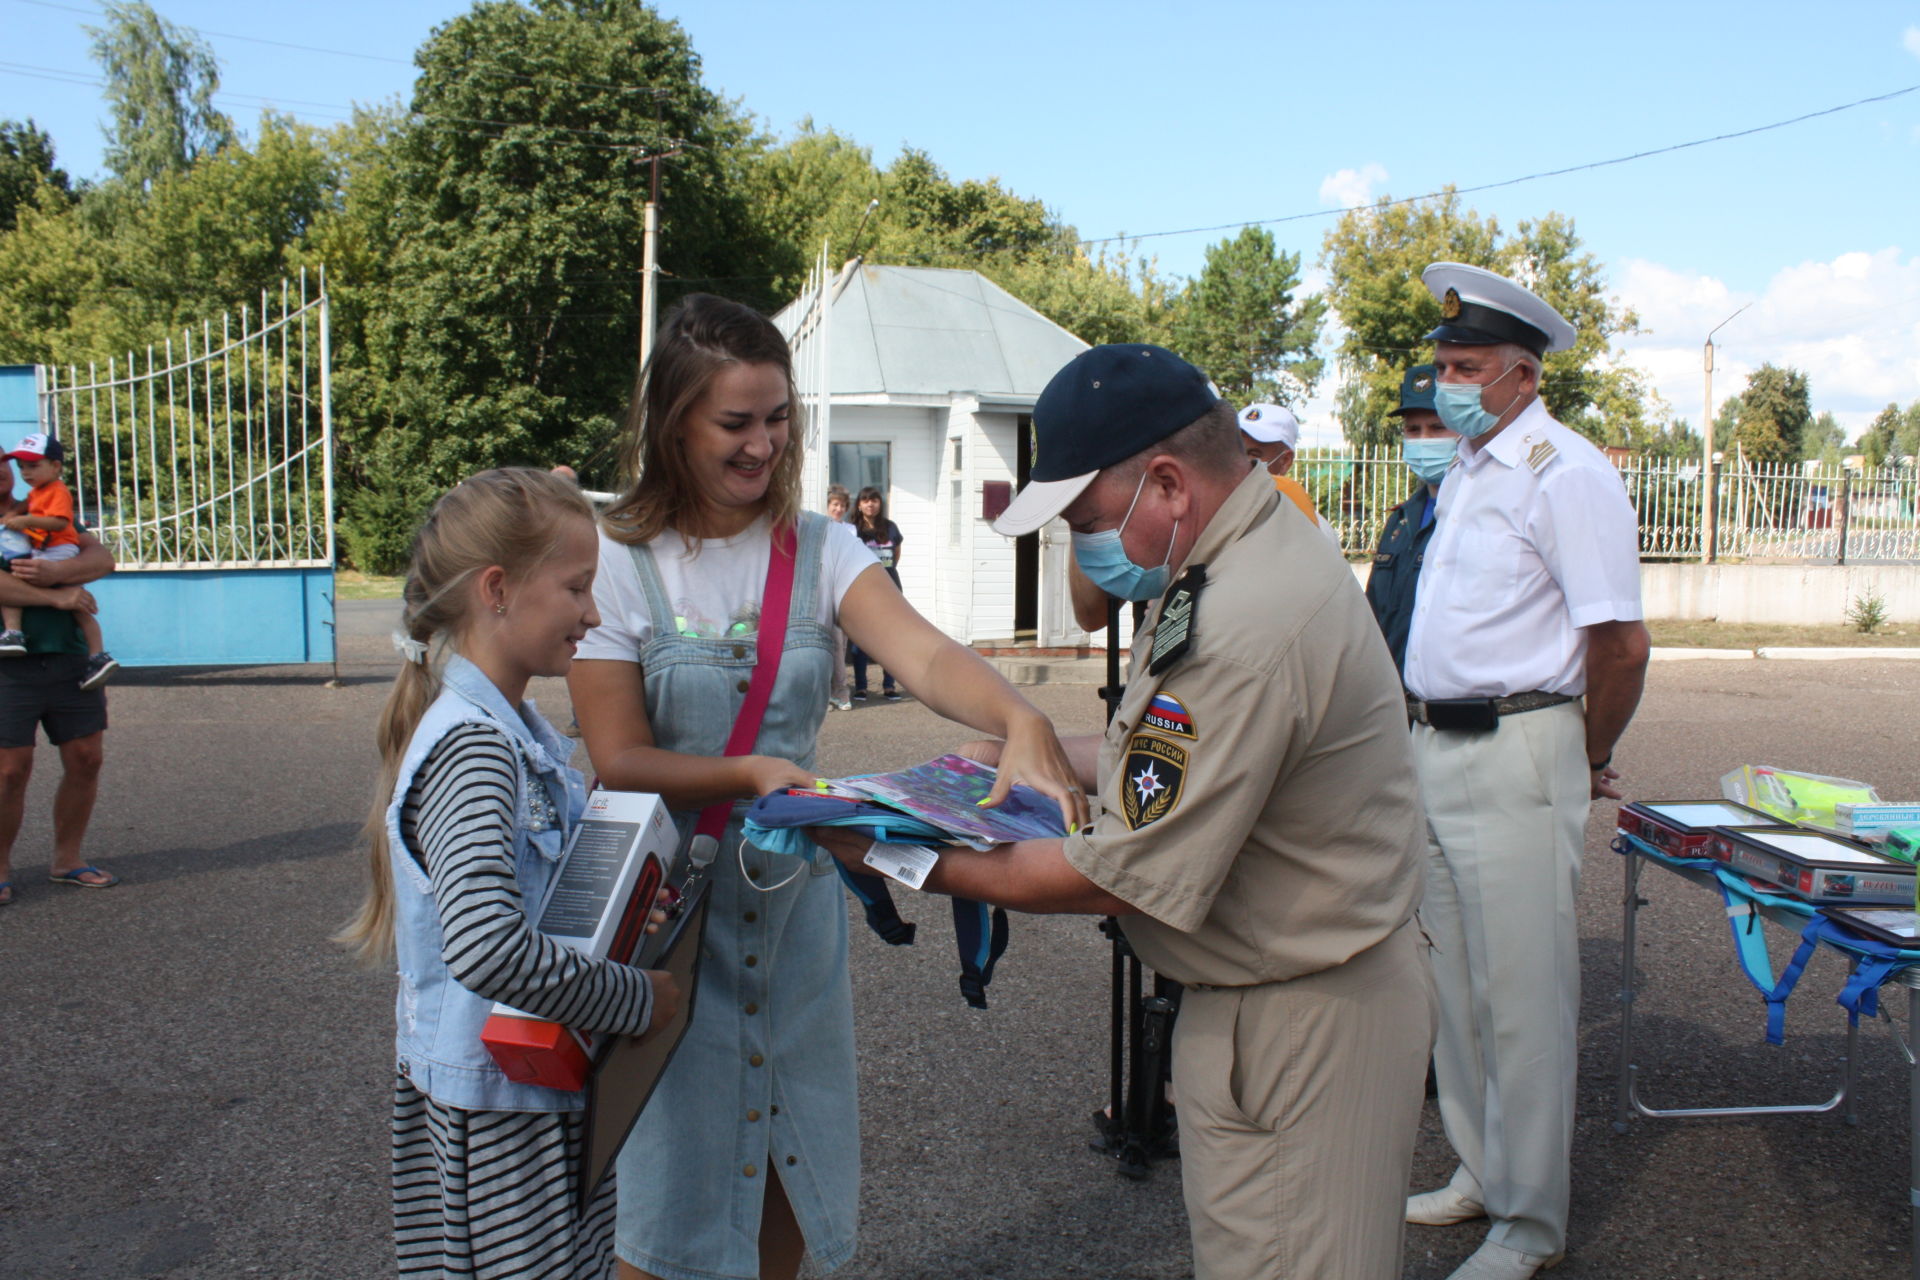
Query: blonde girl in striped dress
[[474, 807]]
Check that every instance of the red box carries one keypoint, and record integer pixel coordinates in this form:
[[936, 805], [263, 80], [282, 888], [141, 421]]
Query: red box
[[535, 1051], [1685, 828]]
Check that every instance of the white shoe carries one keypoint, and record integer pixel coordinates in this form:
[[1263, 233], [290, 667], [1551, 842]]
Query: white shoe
[[1497, 1262], [1442, 1208]]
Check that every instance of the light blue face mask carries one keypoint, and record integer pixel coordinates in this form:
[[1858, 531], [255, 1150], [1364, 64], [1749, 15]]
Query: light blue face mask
[[1429, 459], [1103, 558], [1458, 404]]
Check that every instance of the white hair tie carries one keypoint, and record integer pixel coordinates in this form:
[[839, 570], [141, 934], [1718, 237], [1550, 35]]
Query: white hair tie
[[409, 648]]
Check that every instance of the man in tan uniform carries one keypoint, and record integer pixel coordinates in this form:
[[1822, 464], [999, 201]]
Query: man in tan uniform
[[1261, 837]]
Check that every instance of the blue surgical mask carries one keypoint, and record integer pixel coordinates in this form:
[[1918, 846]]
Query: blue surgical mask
[[1103, 558], [1429, 459], [1458, 404]]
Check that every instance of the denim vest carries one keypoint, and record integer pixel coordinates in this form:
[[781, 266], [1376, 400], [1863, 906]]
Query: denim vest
[[437, 1045]]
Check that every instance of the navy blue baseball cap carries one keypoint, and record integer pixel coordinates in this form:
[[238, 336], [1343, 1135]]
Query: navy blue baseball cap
[[1416, 390], [1107, 404]]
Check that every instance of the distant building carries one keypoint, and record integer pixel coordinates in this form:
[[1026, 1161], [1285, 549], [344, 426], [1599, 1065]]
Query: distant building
[[929, 378]]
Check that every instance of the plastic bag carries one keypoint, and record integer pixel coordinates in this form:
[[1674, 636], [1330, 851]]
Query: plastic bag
[[1795, 796]]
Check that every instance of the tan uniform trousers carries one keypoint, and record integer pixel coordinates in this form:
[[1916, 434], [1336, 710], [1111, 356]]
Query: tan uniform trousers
[[1506, 824], [1298, 1105]]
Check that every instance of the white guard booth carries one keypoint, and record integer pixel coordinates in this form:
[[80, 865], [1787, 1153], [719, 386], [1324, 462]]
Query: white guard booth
[[921, 382]]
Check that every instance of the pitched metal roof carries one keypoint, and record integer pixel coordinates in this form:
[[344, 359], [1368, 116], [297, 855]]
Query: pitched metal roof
[[934, 331]]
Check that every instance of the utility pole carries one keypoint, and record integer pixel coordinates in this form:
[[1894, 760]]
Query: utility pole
[[1710, 504], [649, 258]]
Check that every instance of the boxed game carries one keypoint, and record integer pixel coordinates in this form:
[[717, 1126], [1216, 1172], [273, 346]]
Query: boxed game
[[1874, 821], [598, 904], [1815, 865], [1684, 828]]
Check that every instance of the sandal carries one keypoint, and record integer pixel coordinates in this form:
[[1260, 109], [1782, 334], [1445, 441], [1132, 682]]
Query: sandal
[[73, 878], [6, 887]]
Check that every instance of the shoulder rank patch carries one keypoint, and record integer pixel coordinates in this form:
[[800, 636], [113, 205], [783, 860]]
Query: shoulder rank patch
[[1152, 777], [1168, 715], [1173, 630], [1541, 454]]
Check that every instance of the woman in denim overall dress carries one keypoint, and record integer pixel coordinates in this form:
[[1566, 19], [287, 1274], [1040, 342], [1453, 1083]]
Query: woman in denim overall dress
[[746, 1159]]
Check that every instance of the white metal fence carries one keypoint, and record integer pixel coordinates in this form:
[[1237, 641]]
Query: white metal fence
[[1764, 513], [217, 453]]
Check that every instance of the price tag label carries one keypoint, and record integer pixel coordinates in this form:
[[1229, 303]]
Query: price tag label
[[910, 864]]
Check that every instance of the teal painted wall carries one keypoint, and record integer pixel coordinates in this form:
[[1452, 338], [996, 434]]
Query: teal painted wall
[[220, 617]]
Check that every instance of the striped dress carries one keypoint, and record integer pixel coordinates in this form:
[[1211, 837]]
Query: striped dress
[[493, 1193]]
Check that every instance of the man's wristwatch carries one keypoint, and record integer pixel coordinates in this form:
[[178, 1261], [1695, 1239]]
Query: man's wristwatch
[[1597, 766]]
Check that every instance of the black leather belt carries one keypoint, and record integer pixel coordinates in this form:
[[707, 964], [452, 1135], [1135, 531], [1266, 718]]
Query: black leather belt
[[1477, 715]]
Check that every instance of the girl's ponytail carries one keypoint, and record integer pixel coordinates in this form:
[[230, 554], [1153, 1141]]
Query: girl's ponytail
[[511, 517]]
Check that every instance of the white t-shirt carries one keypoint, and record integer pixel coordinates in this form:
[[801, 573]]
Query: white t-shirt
[[715, 592]]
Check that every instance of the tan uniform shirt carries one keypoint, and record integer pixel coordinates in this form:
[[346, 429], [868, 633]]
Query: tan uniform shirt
[[1259, 802]]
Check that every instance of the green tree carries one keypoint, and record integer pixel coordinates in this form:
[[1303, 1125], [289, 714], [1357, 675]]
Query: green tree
[[160, 85], [1823, 441], [26, 164], [818, 184], [123, 268], [506, 329], [1880, 442], [1774, 415], [1374, 258], [1242, 323]]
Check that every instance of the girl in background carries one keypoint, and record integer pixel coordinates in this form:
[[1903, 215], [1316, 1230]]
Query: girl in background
[[882, 537], [473, 810]]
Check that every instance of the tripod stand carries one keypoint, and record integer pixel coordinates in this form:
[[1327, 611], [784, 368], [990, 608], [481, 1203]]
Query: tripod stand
[[1137, 1126]]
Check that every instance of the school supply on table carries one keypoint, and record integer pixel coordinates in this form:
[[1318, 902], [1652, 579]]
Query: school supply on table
[[1894, 926], [1874, 821], [1685, 828], [1815, 866], [1798, 797], [612, 869], [1903, 843]]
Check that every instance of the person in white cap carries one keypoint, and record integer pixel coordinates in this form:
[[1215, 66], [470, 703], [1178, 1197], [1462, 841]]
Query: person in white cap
[[1272, 432], [1261, 835], [1524, 664]]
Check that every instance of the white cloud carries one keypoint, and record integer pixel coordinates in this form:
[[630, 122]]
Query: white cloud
[[1852, 325], [1912, 41], [1351, 187]]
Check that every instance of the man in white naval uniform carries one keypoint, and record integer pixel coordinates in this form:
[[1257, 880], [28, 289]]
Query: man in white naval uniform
[[1525, 663]]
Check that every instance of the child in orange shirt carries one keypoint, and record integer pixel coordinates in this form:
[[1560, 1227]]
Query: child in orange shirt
[[49, 526]]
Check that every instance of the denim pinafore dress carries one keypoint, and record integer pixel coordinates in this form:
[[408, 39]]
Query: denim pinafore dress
[[763, 1084]]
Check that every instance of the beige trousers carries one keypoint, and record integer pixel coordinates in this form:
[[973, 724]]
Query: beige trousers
[[1506, 825], [1298, 1104]]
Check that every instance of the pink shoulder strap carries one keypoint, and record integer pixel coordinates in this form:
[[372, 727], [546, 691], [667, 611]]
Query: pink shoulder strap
[[776, 603]]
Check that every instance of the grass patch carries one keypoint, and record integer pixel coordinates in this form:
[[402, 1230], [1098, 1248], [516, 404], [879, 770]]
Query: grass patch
[[351, 584], [1755, 635]]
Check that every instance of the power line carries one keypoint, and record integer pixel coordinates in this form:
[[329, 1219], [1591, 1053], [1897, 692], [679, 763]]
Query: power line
[[1509, 182]]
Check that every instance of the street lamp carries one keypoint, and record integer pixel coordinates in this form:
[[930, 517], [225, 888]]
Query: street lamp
[[1711, 505]]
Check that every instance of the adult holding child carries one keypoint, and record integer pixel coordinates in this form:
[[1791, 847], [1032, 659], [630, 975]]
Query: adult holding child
[[747, 1158]]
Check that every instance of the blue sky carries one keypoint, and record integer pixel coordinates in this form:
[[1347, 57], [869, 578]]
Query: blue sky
[[1138, 118]]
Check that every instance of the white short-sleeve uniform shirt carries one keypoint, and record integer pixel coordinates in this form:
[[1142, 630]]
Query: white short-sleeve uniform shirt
[[1535, 541]]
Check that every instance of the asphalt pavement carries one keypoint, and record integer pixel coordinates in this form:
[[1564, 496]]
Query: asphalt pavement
[[194, 1081]]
